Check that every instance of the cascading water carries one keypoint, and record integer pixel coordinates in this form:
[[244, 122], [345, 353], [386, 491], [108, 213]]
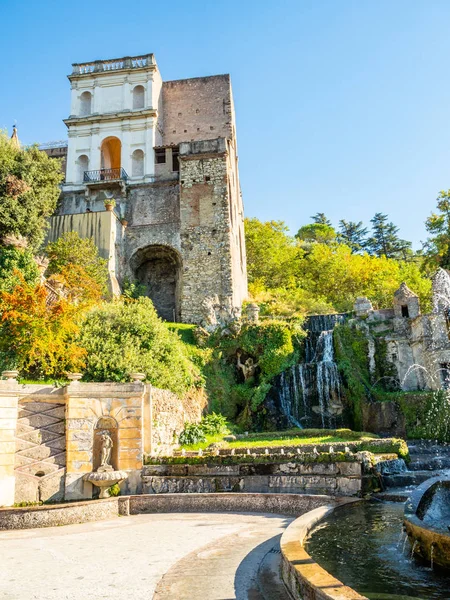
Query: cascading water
[[309, 393]]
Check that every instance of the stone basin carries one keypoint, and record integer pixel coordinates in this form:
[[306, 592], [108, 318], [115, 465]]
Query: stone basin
[[427, 520], [104, 479]]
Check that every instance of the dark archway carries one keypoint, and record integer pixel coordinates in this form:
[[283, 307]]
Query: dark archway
[[158, 268]]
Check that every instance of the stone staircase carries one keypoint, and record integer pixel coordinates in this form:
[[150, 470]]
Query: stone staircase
[[428, 459]]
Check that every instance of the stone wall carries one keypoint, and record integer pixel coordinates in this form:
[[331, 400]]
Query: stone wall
[[83, 512], [208, 246], [40, 445], [169, 414], [336, 479], [195, 109], [48, 435]]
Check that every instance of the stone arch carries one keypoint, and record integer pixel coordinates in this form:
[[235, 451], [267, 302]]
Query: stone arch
[[111, 150], [83, 165], [138, 97], [158, 268], [85, 104], [137, 163]]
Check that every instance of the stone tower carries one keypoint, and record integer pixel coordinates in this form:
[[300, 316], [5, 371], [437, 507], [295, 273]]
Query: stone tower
[[166, 153]]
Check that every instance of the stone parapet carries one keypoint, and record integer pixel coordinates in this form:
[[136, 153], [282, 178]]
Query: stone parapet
[[304, 578]]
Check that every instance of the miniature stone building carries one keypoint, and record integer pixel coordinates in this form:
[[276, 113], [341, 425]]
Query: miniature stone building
[[417, 345], [166, 152]]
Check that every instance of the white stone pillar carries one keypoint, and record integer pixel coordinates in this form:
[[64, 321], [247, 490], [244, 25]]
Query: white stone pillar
[[9, 397], [94, 158], [71, 167], [126, 95], [126, 150], [149, 162], [148, 103]]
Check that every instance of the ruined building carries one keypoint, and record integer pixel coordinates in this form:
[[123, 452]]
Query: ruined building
[[417, 345], [151, 173]]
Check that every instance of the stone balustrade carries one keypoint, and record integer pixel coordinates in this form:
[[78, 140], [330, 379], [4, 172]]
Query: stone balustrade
[[115, 64]]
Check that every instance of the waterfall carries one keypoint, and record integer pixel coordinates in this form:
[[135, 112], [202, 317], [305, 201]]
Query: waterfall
[[309, 393]]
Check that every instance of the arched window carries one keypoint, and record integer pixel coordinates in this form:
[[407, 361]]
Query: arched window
[[83, 165], [85, 104], [110, 153], [137, 163], [138, 96]]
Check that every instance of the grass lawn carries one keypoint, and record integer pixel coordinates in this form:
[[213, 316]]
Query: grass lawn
[[293, 437]]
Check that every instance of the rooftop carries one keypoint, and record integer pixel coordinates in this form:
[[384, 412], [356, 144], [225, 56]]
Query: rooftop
[[143, 61]]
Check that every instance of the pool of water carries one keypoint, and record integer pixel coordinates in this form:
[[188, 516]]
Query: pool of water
[[361, 545]]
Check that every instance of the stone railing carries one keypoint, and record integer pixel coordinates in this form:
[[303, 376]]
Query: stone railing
[[114, 64]]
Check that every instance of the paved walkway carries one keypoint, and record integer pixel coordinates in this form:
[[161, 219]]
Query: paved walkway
[[165, 556]]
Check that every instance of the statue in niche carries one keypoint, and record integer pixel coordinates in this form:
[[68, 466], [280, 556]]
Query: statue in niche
[[248, 368], [106, 445]]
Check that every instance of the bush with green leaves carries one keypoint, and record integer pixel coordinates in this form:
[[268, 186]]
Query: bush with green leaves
[[192, 434], [70, 250], [15, 261], [214, 423], [127, 336]]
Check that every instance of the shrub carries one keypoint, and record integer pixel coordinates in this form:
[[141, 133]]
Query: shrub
[[214, 424], [37, 338], [16, 262], [71, 251], [192, 434], [126, 336]]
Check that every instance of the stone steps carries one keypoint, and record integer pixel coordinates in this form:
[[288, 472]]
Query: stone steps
[[408, 478]]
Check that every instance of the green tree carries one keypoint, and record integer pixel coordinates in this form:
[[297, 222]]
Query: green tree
[[321, 219], [385, 240], [316, 232], [437, 246], [127, 336], [353, 234], [28, 190], [70, 251], [271, 253]]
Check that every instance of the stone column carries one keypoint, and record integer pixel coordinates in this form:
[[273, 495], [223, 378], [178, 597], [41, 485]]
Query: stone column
[[9, 396]]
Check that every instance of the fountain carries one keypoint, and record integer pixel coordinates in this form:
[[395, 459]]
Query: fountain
[[427, 521], [309, 393], [105, 475]]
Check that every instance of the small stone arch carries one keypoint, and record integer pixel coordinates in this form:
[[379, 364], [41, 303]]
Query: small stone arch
[[83, 165], [111, 151], [158, 268], [138, 97], [137, 163], [85, 104]]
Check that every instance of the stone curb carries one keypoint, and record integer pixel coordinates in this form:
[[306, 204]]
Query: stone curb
[[94, 510], [304, 578]]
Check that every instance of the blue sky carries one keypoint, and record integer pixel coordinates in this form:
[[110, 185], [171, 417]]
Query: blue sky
[[343, 106]]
